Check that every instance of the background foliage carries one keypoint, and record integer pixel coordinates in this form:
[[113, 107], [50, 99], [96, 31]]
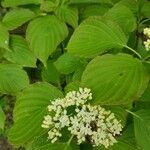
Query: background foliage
[[50, 47]]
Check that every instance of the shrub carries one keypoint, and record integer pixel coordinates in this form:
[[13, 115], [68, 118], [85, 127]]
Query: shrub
[[75, 73]]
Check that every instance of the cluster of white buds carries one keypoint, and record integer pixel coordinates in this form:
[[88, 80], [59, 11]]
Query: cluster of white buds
[[147, 34], [85, 122]]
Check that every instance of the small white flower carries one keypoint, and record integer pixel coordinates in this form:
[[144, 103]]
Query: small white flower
[[54, 140], [44, 126], [147, 32], [64, 121], [47, 121], [147, 44]]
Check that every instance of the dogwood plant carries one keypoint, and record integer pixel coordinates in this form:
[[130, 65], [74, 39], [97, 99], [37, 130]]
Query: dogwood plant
[[51, 47]]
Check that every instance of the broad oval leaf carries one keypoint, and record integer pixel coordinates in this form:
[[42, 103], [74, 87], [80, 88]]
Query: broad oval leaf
[[66, 63], [20, 52], [78, 73], [94, 10], [50, 146], [41, 143], [146, 95], [146, 9], [44, 34], [14, 3], [115, 79], [50, 74], [115, 1], [16, 18], [132, 5], [29, 111], [48, 6], [123, 16], [120, 145], [4, 37], [94, 36], [128, 135], [72, 86], [68, 14], [2, 52], [142, 129], [12, 78], [89, 1]]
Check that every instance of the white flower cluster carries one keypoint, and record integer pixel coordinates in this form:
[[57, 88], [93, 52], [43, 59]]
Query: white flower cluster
[[147, 43], [85, 122]]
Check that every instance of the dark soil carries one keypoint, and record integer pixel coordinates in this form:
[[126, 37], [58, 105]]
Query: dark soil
[[4, 145]]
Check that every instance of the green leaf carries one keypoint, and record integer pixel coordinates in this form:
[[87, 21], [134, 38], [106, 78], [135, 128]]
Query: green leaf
[[146, 9], [93, 10], [44, 34], [146, 95], [79, 71], [123, 16], [20, 53], [99, 41], [132, 5], [89, 1], [115, 79], [68, 14], [48, 6], [17, 17], [72, 86], [4, 37], [142, 105], [42, 143], [2, 119], [66, 63], [12, 78], [50, 74], [2, 52], [84, 1], [86, 146], [120, 145], [128, 135], [50, 146], [115, 1], [29, 111], [13, 3], [142, 129]]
